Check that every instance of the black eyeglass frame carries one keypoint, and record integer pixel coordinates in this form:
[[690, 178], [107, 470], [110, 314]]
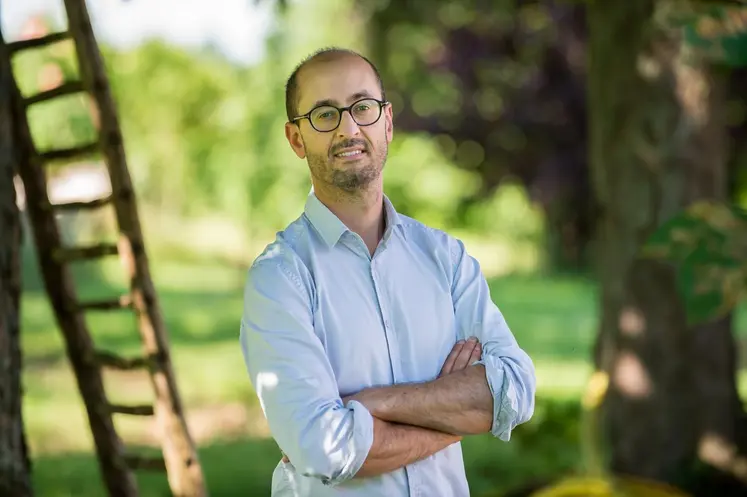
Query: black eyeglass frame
[[341, 110]]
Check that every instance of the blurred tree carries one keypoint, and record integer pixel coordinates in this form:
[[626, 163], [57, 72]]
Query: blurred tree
[[737, 107], [658, 134], [14, 463], [502, 85]]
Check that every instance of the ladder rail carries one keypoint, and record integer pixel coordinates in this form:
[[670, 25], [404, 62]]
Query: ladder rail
[[179, 456], [183, 469], [58, 283]]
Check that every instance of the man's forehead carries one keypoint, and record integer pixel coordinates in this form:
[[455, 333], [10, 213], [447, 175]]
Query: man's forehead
[[341, 81]]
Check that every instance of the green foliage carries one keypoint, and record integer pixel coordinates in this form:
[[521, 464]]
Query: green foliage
[[708, 243], [204, 137], [63, 122], [720, 32], [423, 183]]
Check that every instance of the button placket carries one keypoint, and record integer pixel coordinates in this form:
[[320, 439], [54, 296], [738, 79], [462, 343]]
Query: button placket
[[383, 309]]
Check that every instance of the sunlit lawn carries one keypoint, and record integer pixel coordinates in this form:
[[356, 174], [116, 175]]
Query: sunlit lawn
[[553, 318]]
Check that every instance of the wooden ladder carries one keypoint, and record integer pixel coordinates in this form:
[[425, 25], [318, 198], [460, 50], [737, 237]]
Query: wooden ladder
[[117, 465]]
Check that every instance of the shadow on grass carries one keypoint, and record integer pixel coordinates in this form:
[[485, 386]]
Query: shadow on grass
[[538, 451]]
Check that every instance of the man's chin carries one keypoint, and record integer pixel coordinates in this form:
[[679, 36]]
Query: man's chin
[[354, 182]]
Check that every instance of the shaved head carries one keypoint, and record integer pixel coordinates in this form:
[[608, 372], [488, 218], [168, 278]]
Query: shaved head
[[293, 87]]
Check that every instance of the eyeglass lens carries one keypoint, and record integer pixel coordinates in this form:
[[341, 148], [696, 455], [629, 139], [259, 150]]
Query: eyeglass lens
[[327, 118]]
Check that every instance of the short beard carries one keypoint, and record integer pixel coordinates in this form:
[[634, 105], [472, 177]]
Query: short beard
[[353, 181], [350, 182]]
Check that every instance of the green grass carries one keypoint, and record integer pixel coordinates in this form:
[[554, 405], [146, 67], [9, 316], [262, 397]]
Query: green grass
[[554, 319], [243, 467]]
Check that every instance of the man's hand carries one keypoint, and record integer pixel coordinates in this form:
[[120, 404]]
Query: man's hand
[[462, 355]]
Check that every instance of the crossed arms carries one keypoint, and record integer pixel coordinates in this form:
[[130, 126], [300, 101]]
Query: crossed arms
[[380, 429], [410, 421]]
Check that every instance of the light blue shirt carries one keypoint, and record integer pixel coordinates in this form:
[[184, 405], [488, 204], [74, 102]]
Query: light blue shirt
[[323, 319]]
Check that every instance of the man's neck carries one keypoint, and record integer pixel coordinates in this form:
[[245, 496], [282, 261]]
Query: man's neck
[[362, 212]]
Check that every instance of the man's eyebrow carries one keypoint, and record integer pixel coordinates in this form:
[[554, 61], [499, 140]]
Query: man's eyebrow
[[326, 101], [359, 95], [352, 98]]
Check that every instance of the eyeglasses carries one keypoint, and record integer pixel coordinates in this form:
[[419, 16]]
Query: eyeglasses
[[326, 118]]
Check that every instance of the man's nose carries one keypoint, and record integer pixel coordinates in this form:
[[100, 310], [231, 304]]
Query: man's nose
[[348, 126]]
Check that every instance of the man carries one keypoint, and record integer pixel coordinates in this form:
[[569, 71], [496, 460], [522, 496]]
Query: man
[[371, 339]]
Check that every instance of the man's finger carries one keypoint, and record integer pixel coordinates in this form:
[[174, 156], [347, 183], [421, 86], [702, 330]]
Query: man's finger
[[285, 459], [449, 363], [463, 359], [476, 354]]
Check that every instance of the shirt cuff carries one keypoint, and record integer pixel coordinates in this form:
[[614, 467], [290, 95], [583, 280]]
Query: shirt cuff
[[505, 403], [362, 441]]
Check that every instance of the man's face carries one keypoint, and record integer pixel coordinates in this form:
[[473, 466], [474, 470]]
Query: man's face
[[341, 82]]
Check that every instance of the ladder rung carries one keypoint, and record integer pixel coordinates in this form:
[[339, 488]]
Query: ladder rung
[[67, 88], [146, 463], [41, 41], [142, 410], [123, 302], [115, 361], [70, 153], [81, 253], [87, 205]]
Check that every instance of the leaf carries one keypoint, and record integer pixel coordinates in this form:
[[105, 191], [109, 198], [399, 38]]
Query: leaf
[[719, 215], [710, 285], [708, 244], [681, 234], [719, 226], [719, 32]]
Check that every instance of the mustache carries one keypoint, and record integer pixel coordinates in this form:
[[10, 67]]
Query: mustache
[[348, 144]]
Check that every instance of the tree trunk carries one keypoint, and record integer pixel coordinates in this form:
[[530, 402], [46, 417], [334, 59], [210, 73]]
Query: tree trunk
[[657, 135], [14, 463]]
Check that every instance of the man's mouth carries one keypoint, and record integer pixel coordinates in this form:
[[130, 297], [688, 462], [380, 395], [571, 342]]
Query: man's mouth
[[350, 153]]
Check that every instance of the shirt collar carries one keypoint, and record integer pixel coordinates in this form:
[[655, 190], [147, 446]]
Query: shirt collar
[[331, 228]]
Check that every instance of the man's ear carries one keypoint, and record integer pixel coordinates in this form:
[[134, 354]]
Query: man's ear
[[389, 122], [293, 135]]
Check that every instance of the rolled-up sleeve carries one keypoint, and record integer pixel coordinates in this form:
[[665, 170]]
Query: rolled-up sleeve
[[509, 370], [293, 378]]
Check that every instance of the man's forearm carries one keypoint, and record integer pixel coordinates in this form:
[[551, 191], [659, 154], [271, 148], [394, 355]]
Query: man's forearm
[[397, 445], [459, 403]]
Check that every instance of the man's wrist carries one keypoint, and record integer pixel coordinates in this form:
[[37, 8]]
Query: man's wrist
[[381, 402], [384, 400], [378, 400]]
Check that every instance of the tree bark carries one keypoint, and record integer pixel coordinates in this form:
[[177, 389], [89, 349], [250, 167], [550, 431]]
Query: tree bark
[[15, 477], [658, 143]]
